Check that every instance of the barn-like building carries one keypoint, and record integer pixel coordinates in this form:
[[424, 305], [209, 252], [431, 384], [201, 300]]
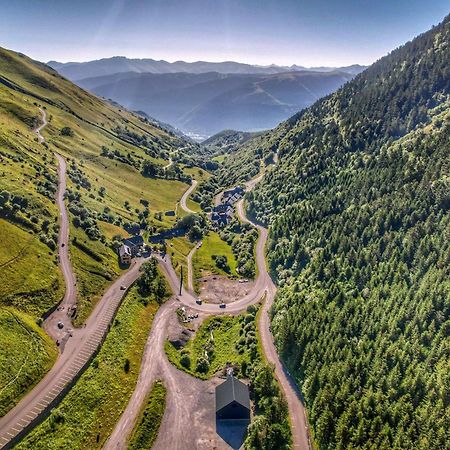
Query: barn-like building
[[232, 400]]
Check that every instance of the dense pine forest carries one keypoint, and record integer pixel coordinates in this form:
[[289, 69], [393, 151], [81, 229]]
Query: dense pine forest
[[359, 215]]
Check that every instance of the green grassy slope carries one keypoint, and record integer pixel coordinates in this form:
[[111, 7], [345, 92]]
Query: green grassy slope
[[147, 426], [105, 149], [359, 214], [28, 353]]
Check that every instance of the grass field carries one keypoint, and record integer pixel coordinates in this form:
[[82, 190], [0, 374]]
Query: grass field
[[29, 270], [203, 262], [26, 354], [146, 429], [178, 249], [92, 276], [87, 415], [225, 339]]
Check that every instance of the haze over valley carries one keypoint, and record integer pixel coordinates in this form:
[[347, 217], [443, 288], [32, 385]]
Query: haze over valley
[[203, 98]]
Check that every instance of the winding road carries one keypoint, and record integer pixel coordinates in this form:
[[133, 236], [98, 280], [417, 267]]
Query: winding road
[[77, 347], [181, 421], [186, 196], [186, 417]]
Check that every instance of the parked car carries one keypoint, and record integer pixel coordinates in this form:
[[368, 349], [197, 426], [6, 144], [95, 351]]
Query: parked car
[[198, 301], [222, 305], [60, 325], [123, 288]]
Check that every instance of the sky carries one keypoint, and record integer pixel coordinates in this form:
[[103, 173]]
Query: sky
[[284, 32]]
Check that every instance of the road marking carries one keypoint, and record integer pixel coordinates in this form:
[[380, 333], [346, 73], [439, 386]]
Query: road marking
[[17, 430], [30, 416]]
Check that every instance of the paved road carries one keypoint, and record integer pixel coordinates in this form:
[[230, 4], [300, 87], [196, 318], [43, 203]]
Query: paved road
[[62, 314], [76, 350], [185, 197], [182, 413]]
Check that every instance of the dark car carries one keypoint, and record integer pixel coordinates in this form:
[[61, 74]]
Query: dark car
[[222, 305]]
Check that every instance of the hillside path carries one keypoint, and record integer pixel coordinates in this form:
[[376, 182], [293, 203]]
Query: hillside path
[[38, 129]]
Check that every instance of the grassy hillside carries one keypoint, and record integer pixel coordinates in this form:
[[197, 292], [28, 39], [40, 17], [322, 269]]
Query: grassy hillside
[[107, 151], [30, 353], [359, 213]]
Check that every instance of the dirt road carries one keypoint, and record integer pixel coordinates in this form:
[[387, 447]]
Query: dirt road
[[38, 129]]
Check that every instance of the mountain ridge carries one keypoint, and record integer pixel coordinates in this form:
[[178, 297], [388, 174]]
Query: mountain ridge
[[117, 64]]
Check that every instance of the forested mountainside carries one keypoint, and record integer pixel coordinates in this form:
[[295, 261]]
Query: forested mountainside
[[359, 214], [116, 184]]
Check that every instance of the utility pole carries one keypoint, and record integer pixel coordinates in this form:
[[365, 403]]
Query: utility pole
[[181, 279]]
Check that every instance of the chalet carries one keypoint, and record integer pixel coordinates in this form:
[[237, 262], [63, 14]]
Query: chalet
[[125, 254], [232, 400], [135, 244], [221, 215], [223, 208], [238, 191]]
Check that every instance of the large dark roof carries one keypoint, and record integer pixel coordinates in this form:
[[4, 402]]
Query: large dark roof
[[134, 240], [232, 389]]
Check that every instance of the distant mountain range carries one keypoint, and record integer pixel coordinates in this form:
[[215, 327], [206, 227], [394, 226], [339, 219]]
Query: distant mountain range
[[203, 98], [118, 64], [203, 104]]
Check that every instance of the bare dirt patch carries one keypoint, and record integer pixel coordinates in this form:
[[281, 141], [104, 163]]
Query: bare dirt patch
[[218, 289], [178, 332]]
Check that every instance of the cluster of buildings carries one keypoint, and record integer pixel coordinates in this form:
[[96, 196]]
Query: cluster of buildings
[[223, 213], [131, 247]]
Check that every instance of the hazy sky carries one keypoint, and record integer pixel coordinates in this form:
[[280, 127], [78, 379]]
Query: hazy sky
[[305, 32]]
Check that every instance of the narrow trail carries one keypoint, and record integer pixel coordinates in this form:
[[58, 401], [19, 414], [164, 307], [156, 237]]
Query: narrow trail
[[190, 276], [183, 204], [78, 346], [38, 129], [189, 410]]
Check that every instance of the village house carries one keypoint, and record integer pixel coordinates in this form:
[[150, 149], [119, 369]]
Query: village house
[[130, 248], [221, 215], [233, 195], [125, 254]]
